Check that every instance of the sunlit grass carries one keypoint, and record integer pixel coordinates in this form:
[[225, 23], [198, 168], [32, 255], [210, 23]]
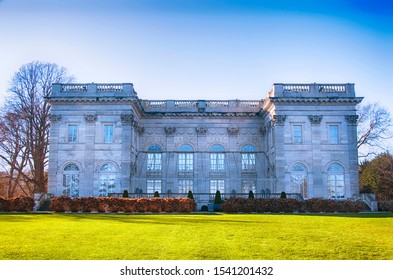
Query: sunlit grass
[[201, 237]]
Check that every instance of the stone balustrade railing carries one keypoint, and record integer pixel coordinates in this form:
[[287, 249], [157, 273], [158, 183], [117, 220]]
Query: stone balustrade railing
[[312, 90]]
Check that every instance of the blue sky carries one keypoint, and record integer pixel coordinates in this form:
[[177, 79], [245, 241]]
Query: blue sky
[[206, 49]]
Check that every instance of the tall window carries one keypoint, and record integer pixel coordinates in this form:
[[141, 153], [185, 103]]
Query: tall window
[[186, 185], [297, 135], [217, 158], [153, 186], [248, 158], [217, 185], [333, 134], [186, 158], [108, 133], [72, 133], [299, 182], [335, 181], [154, 159], [71, 180], [107, 178]]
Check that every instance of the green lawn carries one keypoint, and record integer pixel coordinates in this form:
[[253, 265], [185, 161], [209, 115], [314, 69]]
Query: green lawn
[[200, 237]]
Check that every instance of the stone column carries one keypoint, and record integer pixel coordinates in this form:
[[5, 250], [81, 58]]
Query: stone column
[[127, 121], [53, 163], [315, 175], [280, 158], [89, 188], [353, 154]]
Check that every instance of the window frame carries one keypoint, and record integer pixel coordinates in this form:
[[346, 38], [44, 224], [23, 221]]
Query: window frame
[[72, 138], [108, 139], [297, 139]]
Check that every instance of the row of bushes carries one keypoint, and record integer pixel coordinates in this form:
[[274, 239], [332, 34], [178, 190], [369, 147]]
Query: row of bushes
[[16, 204], [385, 205], [289, 205], [128, 205]]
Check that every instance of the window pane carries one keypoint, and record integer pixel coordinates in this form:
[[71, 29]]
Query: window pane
[[186, 162], [185, 186], [72, 133], [153, 186], [297, 133], [333, 134], [217, 185], [154, 162], [248, 161], [217, 162], [108, 133]]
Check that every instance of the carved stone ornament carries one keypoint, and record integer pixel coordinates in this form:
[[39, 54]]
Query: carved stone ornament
[[91, 118], [54, 118], [315, 119], [140, 129], [233, 130], [169, 131], [279, 119], [127, 118], [352, 119], [201, 131]]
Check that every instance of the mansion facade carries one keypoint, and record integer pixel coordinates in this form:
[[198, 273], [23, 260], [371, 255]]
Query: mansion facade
[[300, 139]]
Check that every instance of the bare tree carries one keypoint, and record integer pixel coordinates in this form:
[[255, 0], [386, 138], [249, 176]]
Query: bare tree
[[374, 128], [27, 114]]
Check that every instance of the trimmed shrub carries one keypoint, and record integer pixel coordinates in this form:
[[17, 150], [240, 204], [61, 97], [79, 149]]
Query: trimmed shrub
[[156, 194], [21, 204], [204, 208], [385, 205], [61, 203], [251, 195], [4, 205], [190, 195], [125, 194], [283, 195], [217, 197]]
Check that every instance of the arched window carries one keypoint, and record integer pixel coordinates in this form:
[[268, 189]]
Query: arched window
[[71, 180], [107, 178], [336, 181], [154, 159], [186, 158], [248, 158], [299, 181], [217, 158]]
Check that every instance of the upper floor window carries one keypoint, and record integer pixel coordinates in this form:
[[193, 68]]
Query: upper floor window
[[108, 133], [154, 158], [72, 133], [186, 158], [217, 158], [297, 134], [248, 157], [333, 134]]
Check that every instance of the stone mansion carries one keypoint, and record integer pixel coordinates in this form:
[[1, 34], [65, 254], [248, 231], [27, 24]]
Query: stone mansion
[[301, 139]]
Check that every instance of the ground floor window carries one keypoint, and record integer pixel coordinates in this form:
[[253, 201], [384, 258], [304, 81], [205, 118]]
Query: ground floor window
[[299, 183], [153, 186], [217, 185], [186, 185], [107, 178], [336, 181], [71, 180], [248, 185]]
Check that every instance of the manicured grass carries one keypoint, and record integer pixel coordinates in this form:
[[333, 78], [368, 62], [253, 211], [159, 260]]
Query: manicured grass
[[200, 237]]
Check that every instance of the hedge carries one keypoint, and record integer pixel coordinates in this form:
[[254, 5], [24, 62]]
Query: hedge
[[127, 205], [385, 205], [17, 204], [289, 205]]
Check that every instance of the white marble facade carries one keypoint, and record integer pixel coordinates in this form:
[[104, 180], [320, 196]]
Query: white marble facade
[[301, 139]]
